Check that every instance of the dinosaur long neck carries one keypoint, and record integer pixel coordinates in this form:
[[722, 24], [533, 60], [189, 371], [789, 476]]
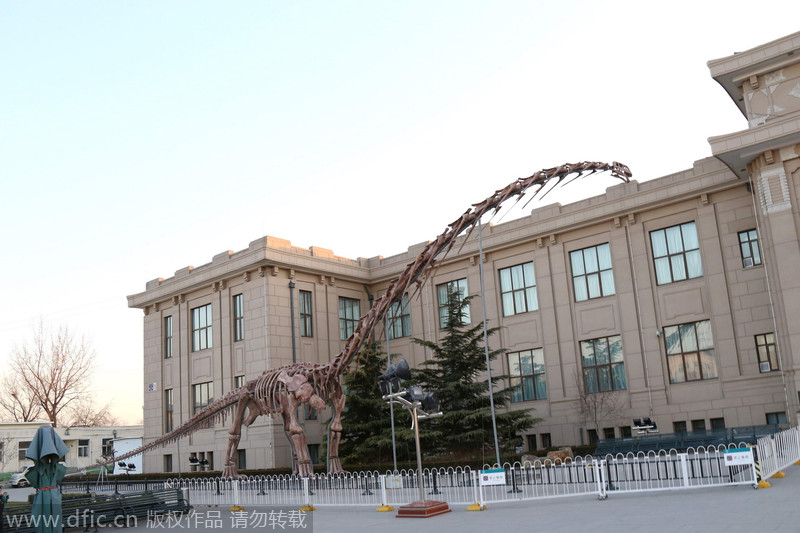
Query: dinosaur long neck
[[425, 260]]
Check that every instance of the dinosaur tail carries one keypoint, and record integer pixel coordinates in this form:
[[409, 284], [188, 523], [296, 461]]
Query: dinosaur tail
[[216, 411]]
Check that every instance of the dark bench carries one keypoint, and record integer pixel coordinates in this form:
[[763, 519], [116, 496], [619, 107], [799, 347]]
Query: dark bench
[[103, 509]]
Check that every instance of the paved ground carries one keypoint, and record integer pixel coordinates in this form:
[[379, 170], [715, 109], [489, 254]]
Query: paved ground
[[738, 509]]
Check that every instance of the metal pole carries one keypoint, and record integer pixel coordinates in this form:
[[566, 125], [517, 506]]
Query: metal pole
[[294, 360], [486, 344], [391, 404], [419, 456], [291, 309]]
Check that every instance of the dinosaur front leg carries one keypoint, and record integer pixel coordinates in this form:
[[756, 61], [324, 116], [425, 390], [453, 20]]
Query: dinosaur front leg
[[337, 399], [233, 440]]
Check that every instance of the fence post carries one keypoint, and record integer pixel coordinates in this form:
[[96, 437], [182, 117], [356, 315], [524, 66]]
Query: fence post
[[684, 469], [600, 472], [797, 445], [307, 496], [236, 507], [384, 507], [477, 492]]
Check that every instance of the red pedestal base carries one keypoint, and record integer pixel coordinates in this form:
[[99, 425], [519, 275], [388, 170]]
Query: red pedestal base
[[424, 509]]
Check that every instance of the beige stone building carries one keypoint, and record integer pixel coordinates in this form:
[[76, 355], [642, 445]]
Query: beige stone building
[[676, 296]]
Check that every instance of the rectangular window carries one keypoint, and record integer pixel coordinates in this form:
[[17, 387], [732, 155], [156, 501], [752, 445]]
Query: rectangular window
[[593, 438], [518, 289], [526, 370], [456, 289], [167, 337], [107, 447], [717, 423], [238, 317], [306, 323], [776, 418], [698, 426], [748, 243], [399, 319], [767, 352], [531, 442], [608, 433], [201, 328], [203, 394], [546, 441], [625, 432], [238, 381], [690, 352], [349, 313], [679, 427], [603, 366], [169, 409], [83, 447], [313, 453], [168, 463], [22, 448], [676, 253], [592, 276], [241, 459]]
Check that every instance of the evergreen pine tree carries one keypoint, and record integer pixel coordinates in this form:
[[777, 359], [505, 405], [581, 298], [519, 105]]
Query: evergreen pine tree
[[366, 415], [459, 360]]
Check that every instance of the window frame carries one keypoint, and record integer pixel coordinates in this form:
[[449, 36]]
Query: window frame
[[516, 300], [348, 319], [443, 291], [168, 336], [527, 387], [306, 314], [84, 446], [750, 248], [597, 369], [238, 317], [202, 328], [767, 352], [676, 258], [594, 269], [208, 388], [699, 350], [169, 410], [398, 319]]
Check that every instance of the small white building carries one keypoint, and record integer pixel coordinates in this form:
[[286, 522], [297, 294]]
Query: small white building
[[87, 445]]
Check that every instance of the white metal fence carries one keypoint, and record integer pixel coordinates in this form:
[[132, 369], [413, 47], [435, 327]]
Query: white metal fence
[[598, 476], [777, 451]]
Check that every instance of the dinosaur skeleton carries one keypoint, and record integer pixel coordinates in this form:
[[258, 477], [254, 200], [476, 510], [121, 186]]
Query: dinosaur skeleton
[[280, 391]]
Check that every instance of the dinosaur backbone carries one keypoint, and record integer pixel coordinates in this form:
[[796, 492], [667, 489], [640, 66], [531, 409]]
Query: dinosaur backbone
[[281, 390]]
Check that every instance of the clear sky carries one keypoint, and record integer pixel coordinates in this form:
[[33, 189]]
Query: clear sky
[[137, 138]]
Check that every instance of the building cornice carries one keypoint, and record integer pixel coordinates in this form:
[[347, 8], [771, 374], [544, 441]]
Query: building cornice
[[731, 71], [266, 256]]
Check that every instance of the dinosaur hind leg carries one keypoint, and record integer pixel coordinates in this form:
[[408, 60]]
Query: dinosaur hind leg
[[334, 465]]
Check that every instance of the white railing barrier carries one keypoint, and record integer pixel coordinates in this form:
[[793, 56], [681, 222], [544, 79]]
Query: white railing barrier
[[581, 476], [777, 451]]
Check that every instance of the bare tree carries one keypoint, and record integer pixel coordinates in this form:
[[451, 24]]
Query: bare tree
[[55, 367], [597, 407], [83, 413], [8, 450], [17, 401]]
